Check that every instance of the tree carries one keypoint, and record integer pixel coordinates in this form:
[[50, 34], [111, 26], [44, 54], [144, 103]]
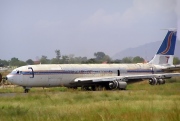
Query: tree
[[138, 59], [176, 61], [127, 60], [102, 57], [65, 59], [117, 61], [30, 62], [106, 58], [44, 60], [16, 62], [71, 58], [92, 60], [21, 63], [80, 59], [55, 61], [58, 55], [99, 55], [3, 63]]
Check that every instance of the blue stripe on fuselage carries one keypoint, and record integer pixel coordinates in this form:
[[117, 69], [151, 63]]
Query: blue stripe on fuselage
[[64, 72], [81, 72]]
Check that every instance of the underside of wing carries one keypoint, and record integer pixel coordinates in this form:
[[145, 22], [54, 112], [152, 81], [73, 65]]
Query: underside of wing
[[97, 79], [112, 82], [120, 82], [125, 78]]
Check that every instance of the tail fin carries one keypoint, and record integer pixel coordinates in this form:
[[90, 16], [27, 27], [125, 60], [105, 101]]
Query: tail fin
[[165, 54]]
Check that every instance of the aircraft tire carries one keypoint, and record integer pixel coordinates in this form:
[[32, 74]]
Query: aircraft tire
[[93, 88], [85, 88], [26, 90]]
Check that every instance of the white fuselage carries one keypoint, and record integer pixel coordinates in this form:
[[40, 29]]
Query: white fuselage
[[63, 74]]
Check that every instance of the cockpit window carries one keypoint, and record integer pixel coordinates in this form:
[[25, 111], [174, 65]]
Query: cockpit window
[[19, 72], [16, 72]]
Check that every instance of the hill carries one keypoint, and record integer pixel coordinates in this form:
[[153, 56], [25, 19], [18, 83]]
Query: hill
[[147, 51]]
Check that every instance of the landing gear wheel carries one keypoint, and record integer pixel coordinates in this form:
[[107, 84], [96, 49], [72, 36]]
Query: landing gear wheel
[[93, 88], [75, 88], [26, 90]]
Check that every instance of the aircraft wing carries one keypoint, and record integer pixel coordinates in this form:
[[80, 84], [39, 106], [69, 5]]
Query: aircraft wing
[[124, 78]]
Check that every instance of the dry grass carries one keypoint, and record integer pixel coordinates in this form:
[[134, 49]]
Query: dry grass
[[138, 103]]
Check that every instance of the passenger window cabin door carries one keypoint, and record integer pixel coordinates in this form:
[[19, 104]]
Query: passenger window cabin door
[[31, 71]]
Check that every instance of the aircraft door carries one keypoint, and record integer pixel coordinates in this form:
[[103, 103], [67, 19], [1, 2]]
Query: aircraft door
[[30, 78], [121, 71], [118, 73], [31, 72]]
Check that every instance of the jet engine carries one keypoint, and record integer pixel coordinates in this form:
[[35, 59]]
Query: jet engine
[[161, 81], [122, 85], [117, 85]]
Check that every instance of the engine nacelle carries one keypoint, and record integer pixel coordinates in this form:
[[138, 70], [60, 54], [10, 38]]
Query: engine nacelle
[[161, 81], [117, 85], [122, 85]]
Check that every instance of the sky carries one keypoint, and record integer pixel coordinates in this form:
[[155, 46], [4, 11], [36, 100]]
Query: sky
[[32, 28]]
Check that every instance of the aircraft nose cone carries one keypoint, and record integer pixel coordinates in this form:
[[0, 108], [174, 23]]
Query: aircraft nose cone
[[9, 78]]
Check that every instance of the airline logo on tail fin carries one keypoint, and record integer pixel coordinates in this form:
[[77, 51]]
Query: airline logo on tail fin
[[166, 51], [168, 45]]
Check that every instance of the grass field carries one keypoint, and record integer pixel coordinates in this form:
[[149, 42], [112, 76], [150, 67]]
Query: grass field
[[140, 102]]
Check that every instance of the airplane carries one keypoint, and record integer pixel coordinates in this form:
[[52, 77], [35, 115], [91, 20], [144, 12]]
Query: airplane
[[95, 76]]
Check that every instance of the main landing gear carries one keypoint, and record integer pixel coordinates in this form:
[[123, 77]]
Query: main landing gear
[[26, 89]]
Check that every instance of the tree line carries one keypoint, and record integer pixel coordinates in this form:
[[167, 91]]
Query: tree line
[[99, 57]]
